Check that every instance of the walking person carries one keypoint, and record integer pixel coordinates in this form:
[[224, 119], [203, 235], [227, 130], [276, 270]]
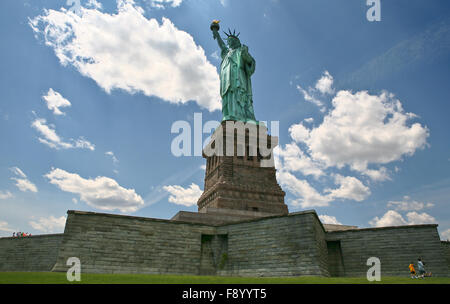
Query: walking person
[[412, 271], [421, 268]]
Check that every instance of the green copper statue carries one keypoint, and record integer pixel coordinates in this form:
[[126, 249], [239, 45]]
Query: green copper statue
[[235, 71]]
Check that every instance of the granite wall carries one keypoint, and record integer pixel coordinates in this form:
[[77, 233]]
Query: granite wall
[[32, 253], [290, 245], [276, 246], [396, 247], [107, 243], [446, 249]]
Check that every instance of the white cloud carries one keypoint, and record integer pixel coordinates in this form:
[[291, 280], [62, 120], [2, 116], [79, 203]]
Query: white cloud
[[299, 133], [22, 181], [327, 219], [184, 196], [55, 101], [325, 84], [364, 129], [408, 205], [25, 185], [215, 55], [377, 175], [164, 3], [393, 218], [18, 172], [309, 96], [49, 225], [130, 52], [5, 194], [113, 157], [445, 235], [349, 188], [294, 159], [415, 218], [4, 226], [361, 132], [102, 192], [94, 4], [306, 195], [82, 143], [52, 139], [390, 218]]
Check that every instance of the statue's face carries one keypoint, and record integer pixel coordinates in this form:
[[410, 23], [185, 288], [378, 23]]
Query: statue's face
[[233, 42]]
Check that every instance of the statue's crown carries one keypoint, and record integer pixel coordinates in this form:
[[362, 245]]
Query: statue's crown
[[232, 34]]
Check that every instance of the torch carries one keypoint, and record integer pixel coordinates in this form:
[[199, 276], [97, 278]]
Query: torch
[[215, 27]]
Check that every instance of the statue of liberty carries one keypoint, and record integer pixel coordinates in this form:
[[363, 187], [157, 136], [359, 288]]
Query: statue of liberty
[[235, 71]]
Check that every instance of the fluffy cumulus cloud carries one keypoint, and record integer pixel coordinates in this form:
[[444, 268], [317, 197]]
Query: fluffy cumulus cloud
[[349, 188], [127, 51], [328, 219], [415, 218], [22, 181], [394, 218], [55, 101], [49, 137], [408, 205], [306, 195], [102, 192], [360, 132], [364, 129], [49, 224], [325, 84], [184, 196], [295, 160], [390, 218], [299, 133]]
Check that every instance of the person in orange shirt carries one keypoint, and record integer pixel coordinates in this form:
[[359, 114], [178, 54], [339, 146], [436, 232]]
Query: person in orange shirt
[[412, 271]]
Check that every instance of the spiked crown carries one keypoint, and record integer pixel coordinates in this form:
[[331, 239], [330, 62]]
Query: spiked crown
[[232, 34]]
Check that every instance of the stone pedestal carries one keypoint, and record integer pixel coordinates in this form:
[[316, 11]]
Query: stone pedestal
[[240, 172]]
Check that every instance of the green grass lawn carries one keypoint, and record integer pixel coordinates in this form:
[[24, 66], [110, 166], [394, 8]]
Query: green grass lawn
[[60, 278]]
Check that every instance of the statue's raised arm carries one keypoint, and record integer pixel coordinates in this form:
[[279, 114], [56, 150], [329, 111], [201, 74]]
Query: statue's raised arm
[[236, 69], [215, 29]]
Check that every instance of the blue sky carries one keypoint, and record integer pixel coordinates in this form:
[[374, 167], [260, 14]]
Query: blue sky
[[87, 103]]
